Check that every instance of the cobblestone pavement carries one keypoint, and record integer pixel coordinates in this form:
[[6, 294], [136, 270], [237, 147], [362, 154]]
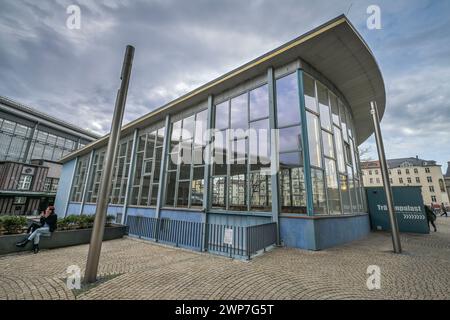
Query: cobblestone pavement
[[145, 270]]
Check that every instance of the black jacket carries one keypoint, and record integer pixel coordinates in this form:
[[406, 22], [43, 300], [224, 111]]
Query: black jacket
[[51, 221]]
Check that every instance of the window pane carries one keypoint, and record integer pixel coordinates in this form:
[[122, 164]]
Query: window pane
[[290, 139], [345, 194], [334, 201], [198, 183], [260, 192], [171, 187], [259, 103], [176, 132], [200, 128], [325, 120], [222, 115], [188, 128], [183, 194], [288, 110], [318, 186], [334, 109], [343, 121], [310, 93], [238, 190], [288, 160], [218, 193], [259, 144], [328, 148], [313, 139], [339, 149], [293, 195], [239, 112]]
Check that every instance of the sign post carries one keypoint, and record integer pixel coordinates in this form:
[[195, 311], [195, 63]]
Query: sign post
[[385, 175], [98, 229]]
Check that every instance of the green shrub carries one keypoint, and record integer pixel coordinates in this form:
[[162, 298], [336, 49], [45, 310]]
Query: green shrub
[[14, 224], [110, 219]]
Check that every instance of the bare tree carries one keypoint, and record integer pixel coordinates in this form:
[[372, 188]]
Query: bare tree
[[364, 154]]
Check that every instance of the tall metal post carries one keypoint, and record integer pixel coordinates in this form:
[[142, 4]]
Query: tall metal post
[[105, 184], [385, 176]]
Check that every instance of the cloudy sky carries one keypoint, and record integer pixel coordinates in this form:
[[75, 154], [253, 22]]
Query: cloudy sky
[[180, 45]]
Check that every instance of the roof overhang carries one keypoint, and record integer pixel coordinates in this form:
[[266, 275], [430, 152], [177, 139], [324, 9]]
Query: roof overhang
[[335, 49]]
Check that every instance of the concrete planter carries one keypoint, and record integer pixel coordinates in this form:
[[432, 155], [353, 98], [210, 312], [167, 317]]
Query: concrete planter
[[60, 239]]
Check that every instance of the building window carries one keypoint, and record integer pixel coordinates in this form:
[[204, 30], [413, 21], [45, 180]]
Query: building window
[[120, 172], [431, 188], [429, 179], [407, 171], [378, 180], [20, 200], [79, 180], [400, 180], [391, 180], [185, 168], [47, 184], [371, 180], [95, 176], [292, 179], [417, 179], [409, 180], [416, 171], [433, 198], [25, 182], [399, 171], [370, 172], [145, 185], [376, 172], [427, 170]]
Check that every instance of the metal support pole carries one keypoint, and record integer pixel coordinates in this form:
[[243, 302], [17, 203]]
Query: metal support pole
[[105, 184], [274, 158], [305, 142], [385, 176]]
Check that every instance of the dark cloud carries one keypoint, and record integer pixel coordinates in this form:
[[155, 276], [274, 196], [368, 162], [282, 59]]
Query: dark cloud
[[74, 74]]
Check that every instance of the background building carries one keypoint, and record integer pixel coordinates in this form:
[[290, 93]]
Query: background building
[[410, 172], [31, 143], [315, 89], [447, 179]]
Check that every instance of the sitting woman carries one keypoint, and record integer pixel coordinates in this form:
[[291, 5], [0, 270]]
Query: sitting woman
[[47, 226]]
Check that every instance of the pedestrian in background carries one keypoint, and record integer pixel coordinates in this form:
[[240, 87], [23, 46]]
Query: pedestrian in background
[[444, 210], [431, 217]]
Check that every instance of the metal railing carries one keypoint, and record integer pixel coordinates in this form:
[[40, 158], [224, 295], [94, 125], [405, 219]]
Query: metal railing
[[232, 241]]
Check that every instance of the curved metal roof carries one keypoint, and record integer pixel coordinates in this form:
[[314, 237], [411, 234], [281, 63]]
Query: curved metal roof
[[335, 49]]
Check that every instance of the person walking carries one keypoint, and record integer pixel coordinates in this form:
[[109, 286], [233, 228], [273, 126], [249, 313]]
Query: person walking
[[48, 225], [444, 210], [431, 217]]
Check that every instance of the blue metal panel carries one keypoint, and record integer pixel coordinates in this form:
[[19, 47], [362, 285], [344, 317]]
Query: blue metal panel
[[298, 233], [236, 220], [73, 209], [65, 184], [335, 231], [305, 142], [191, 216], [144, 212]]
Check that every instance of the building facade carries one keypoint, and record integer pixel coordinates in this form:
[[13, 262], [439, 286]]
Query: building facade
[[31, 143], [410, 172], [308, 100]]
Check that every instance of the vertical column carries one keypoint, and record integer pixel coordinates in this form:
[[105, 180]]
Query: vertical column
[[85, 184], [305, 142], [29, 142], [131, 172], [162, 174], [274, 157], [71, 183], [208, 156]]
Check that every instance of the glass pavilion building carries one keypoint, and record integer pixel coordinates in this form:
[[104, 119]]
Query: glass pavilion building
[[315, 90]]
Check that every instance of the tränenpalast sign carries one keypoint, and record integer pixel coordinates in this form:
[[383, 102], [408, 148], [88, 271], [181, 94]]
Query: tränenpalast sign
[[408, 206]]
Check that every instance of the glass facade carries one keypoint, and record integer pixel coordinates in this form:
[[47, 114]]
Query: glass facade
[[20, 142], [241, 155]]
